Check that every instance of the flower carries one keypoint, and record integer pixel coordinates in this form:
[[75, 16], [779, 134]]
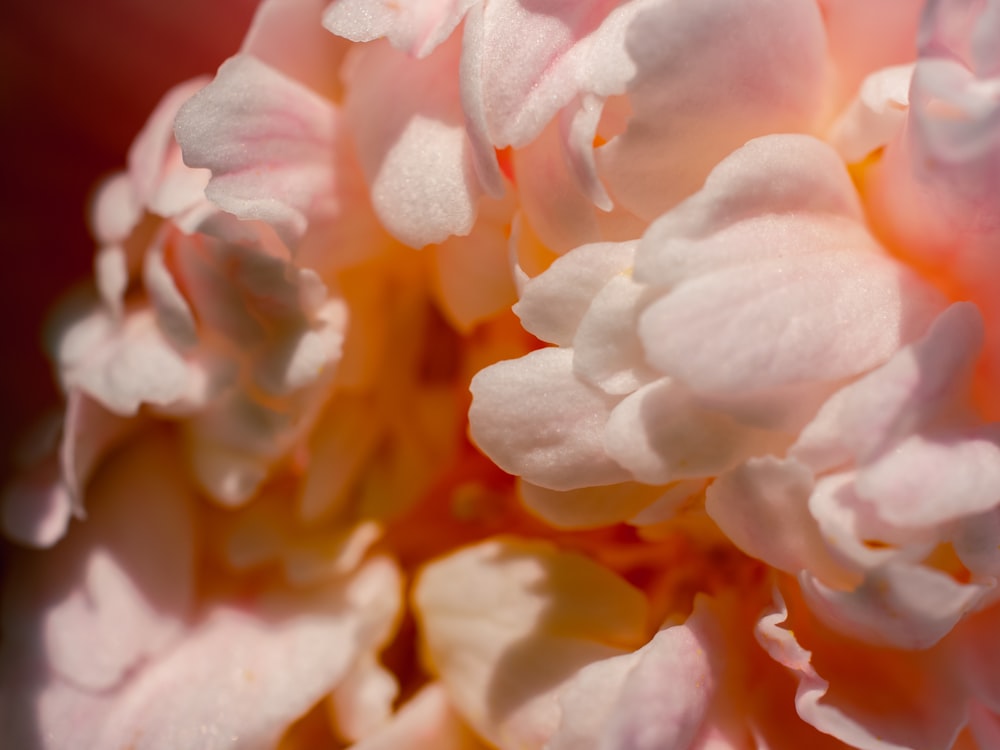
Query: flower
[[727, 475]]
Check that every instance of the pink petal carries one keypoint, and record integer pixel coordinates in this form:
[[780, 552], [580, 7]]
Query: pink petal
[[920, 382], [606, 349], [506, 622], [934, 190], [863, 37], [553, 303], [412, 145], [877, 114], [853, 306], [287, 179], [536, 419], [413, 26], [848, 523], [656, 698], [250, 674], [124, 366], [557, 190], [690, 109], [975, 542], [932, 479], [877, 699], [763, 507], [532, 62], [173, 313], [287, 36], [898, 605], [364, 699], [661, 433], [113, 593], [116, 210], [472, 275], [149, 157], [37, 506]]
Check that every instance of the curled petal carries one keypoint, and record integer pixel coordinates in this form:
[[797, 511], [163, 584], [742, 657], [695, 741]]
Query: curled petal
[[661, 433], [736, 311], [553, 303], [898, 605], [874, 699], [763, 506], [536, 419], [287, 177]]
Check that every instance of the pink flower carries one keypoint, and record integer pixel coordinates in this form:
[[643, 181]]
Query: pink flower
[[728, 475]]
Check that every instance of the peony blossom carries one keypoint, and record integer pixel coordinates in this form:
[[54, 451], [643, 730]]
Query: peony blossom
[[534, 376]]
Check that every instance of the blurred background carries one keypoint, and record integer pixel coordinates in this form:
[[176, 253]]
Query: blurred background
[[77, 81]]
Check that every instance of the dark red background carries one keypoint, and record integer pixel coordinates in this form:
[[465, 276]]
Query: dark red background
[[77, 80]]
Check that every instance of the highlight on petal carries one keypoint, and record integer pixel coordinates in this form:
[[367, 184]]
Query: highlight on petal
[[413, 146]]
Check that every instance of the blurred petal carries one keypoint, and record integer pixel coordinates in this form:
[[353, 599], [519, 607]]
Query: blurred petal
[[256, 671], [427, 720], [505, 623], [413, 26], [655, 698]]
